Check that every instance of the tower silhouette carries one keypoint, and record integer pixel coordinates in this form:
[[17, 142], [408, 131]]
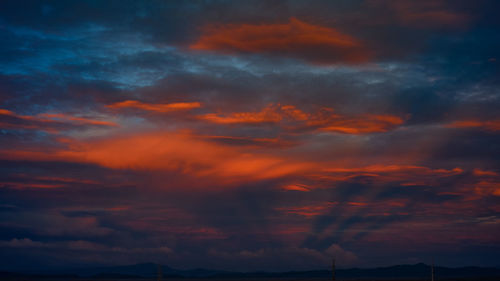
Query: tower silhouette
[[432, 271], [160, 274]]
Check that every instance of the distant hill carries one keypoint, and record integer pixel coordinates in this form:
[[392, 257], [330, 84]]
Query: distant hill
[[408, 272], [149, 270], [24, 276], [115, 276]]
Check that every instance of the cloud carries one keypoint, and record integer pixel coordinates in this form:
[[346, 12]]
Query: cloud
[[75, 120], [343, 256], [24, 181], [22, 243], [297, 187], [158, 108], [428, 14], [405, 175], [365, 124], [488, 187], [51, 122], [268, 114], [172, 151], [55, 224], [297, 39], [491, 125], [322, 120], [81, 245], [308, 210]]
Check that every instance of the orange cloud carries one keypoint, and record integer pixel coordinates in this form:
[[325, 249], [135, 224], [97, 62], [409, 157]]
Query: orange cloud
[[493, 125], [269, 114], [195, 157], [180, 152], [425, 14], [479, 172], [76, 120], [160, 108], [319, 44], [20, 185], [487, 183], [357, 204], [361, 125], [199, 157], [46, 121], [297, 187], [323, 120], [484, 188], [405, 175]]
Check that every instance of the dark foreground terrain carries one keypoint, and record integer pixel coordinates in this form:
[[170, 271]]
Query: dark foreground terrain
[[149, 271], [130, 278]]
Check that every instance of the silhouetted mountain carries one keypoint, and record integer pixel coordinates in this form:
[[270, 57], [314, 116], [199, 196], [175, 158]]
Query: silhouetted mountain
[[142, 269], [149, 270], [115, 276], [23, 276]]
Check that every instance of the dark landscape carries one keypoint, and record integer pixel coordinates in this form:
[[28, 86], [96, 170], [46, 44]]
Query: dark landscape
[[148, 271]]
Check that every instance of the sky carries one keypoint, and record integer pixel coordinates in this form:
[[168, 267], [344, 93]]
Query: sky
[[249, 135]]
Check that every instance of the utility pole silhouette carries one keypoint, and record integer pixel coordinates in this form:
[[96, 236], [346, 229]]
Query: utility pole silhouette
[[333, 269], [160, 274], [432, 271]]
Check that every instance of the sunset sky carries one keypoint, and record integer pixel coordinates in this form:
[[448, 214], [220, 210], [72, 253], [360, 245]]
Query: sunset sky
[[249, 135]]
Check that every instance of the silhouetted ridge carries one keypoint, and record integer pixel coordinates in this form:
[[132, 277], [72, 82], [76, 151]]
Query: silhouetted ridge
[[149, 270]]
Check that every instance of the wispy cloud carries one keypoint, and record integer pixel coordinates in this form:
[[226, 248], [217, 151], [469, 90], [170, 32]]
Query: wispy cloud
[[298, 39], [155, 107]]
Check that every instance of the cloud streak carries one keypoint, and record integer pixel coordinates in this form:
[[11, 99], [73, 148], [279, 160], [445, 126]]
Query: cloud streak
[[158, 108], [297, 39], [293, 118], [51, 122]]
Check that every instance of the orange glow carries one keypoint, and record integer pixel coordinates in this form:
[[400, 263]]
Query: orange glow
[[221, 164], [296, 38], [425, 14], [484, 188], [493, 125], [181, 152], [268, 114], [479, 172], [294, 113], [160, 108], [405, 175], [297, 187], [323, 120], [77, 120], [358, 204], [65, 180], [362, 125], [19, 185]]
